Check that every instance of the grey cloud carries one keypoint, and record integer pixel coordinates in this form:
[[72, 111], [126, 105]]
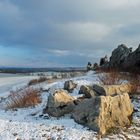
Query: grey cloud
[[81, 30]]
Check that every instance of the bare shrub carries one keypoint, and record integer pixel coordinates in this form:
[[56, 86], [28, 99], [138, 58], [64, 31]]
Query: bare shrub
[[36, 81], [134, 80], [111, 77], [23, 98]]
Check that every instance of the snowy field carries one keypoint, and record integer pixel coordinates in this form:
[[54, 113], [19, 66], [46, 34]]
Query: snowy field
[[30, 124]]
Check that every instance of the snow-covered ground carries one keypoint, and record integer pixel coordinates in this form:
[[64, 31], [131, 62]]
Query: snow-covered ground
[[30, 124]]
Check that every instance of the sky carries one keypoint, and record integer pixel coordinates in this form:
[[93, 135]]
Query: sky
[[65, 33]]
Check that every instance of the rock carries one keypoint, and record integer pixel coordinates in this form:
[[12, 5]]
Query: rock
[[89, 66], [69, 86], [125, 59], [118, 55], [103, 60], [87, 91], [95, 66], [59, 103], [132, 61], [112, 89], [104, 112]]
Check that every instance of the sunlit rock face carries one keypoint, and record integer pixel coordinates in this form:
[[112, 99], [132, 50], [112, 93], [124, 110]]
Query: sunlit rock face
[[104, 112], [112, 89], [59, 103]]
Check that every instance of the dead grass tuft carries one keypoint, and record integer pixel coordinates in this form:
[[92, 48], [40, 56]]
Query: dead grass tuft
[[23, 98], [135, 83], [110, 77], [114, 77], [36, 81]]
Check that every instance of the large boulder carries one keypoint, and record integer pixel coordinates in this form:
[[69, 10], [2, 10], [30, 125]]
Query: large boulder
[[87, 91], [104, 112], [118, 55], [69, 86], [59, 103], [106, 90]]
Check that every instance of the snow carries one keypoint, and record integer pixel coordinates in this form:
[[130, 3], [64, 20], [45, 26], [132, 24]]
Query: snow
[[30, 123], [10, 83]]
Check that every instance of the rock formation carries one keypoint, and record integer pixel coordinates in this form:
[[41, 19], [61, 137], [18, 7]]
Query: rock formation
[[95, 66], [69, 86], [132, 61], [59, 103], [119, 55], [104, 112], [103, 60], [87, 91], [105, 90], [123, 58], [89, 66]]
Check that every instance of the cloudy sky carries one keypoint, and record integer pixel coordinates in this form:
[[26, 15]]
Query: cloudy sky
[[50, 33]]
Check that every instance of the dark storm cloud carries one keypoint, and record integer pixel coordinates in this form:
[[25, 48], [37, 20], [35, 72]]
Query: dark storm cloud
[[67, 32]]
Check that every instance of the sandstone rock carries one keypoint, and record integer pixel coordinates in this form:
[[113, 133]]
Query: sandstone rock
[[87, 91], [59, 103], [112, 89], [69, 85], [104, 112]]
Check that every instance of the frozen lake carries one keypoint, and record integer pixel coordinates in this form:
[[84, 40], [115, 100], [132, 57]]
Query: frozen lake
[[4, 75], [10, 81]]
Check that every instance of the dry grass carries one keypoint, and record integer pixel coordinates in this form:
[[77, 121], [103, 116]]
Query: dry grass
[[51, 81], [111, 77], [36, 81], [23, 98], [114, 77], [134, 80]]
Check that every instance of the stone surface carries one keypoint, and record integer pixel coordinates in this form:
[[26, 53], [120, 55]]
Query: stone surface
[[103, 60], [125, 59], [112, 89], [104, 112], [87, 91], [69, 85], [118, 55], [89, 66], [132, 61], [59, 103]]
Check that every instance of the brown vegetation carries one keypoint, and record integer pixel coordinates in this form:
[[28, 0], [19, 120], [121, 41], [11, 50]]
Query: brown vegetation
[[23, 98], [36, 81], [110, 77], [135, 82], [114, 77]]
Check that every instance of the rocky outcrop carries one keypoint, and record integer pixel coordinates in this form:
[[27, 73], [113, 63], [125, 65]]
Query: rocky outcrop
[[69, 86], [106, 90], [104, 112], [87, 91], [132, 61], [119, 55], [103, 60], [89, 66], [59, 103], [123, 58]]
